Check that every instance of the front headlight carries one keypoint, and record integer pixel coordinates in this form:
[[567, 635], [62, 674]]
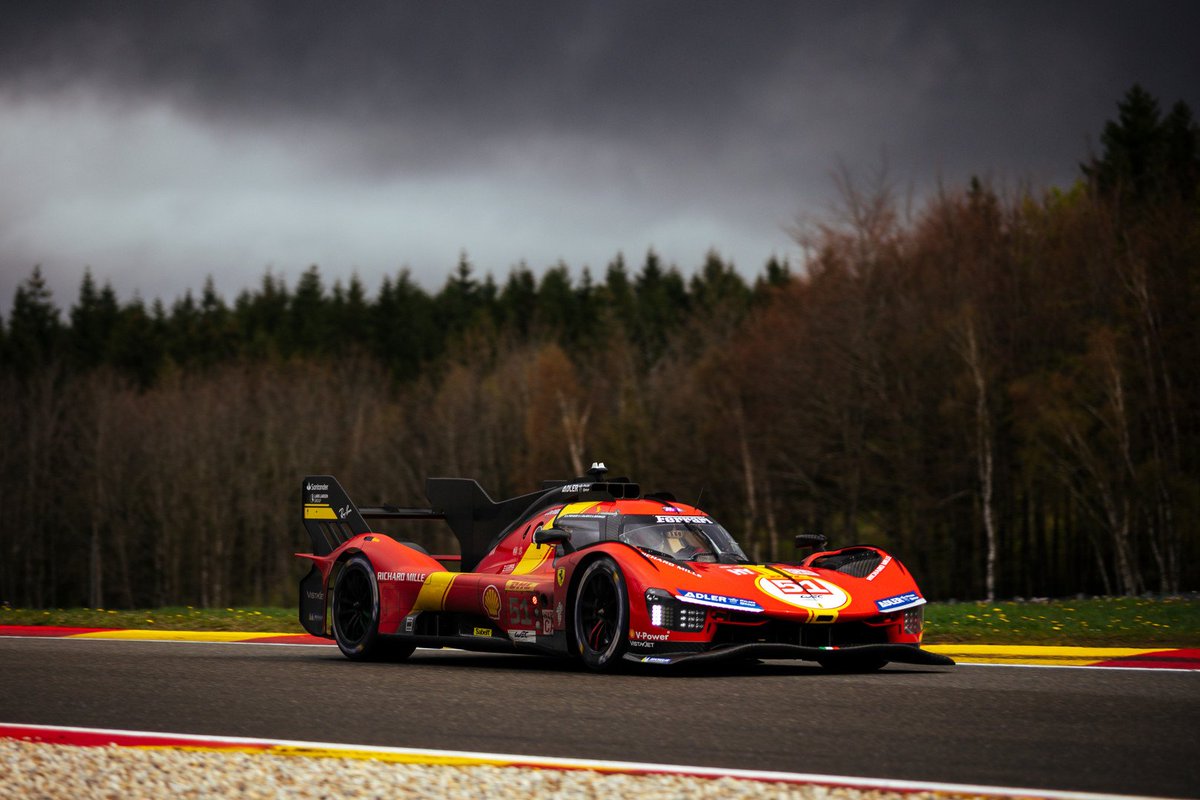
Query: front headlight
[[667, 612], [914, 620]]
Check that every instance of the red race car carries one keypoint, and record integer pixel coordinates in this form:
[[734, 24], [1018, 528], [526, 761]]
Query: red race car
[[595, 569]]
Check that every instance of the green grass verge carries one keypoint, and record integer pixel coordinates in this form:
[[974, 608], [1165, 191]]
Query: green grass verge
[[1100, 621], [273, 620], [1108, 621]]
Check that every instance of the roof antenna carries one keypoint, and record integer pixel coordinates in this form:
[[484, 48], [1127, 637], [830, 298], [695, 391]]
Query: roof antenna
[[597, 471]]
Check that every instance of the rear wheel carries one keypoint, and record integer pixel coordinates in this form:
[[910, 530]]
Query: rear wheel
[[601, 615], [356, 615]]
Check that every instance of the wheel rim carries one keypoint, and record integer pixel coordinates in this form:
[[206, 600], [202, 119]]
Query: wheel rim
[[355, 605], [600, 612]]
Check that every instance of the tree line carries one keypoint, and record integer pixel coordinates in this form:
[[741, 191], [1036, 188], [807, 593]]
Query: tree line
[[1000, 387], [403, 327]]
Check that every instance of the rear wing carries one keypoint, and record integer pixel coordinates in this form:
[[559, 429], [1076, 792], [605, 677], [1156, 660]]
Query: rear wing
[[331, 519], [476, 520]]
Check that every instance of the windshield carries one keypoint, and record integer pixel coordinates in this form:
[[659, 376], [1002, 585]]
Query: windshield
[[682, 538]]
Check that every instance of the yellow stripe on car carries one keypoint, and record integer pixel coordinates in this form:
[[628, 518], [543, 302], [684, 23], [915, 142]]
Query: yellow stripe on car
[[535, 555], [432, 596]]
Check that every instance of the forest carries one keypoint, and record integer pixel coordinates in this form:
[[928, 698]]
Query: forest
[[999, 385]]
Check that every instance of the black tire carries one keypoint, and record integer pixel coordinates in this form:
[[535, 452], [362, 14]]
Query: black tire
[[850, 665], [356, 616], [600, 617]]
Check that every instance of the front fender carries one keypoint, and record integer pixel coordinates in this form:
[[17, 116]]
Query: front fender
[[641, 572]]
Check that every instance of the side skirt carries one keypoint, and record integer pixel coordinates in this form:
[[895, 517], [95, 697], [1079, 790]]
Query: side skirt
[[553, 645]]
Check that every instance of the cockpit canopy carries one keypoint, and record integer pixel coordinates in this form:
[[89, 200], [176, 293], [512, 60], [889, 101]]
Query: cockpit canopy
[[680, 537]]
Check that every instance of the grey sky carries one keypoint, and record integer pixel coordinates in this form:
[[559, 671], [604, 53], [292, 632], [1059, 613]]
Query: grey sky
[[159, 143]]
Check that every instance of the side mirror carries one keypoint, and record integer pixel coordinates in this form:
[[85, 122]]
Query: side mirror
[[554, 536], [812, 541]]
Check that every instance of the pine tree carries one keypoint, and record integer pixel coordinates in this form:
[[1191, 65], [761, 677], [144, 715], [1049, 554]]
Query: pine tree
[[718, 287], [137, 344], [216, 341], [1147, 158], [555, 314], [308, 316], [661, 302], [350, 322], [463, 302], [1181, 144], [517, 301], [93, 320], [262, 317], [776, 274], [404, 332], [34, 331]]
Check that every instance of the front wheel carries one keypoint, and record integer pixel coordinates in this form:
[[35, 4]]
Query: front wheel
[[356, 615], [601, 615]]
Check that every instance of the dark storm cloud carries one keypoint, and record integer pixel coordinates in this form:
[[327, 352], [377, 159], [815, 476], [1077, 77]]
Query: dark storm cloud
[[499, 67], [529, 129], [609, 67]]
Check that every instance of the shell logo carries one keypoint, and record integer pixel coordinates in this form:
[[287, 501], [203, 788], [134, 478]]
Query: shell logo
[[491, 601], [810, 593]]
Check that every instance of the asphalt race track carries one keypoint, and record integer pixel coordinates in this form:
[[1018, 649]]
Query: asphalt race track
[[1096, 730]]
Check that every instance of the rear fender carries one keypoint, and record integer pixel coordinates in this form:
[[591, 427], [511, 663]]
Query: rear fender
[[400, 572], [389, 559]]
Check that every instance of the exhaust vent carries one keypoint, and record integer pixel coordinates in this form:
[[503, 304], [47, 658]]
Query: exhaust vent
[[858, 562]]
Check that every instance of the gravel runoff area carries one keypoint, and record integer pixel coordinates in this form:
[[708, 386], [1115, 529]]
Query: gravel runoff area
[[38, 770]]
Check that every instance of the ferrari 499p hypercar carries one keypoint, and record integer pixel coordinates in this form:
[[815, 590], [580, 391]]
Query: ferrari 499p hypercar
[[595, 569]]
